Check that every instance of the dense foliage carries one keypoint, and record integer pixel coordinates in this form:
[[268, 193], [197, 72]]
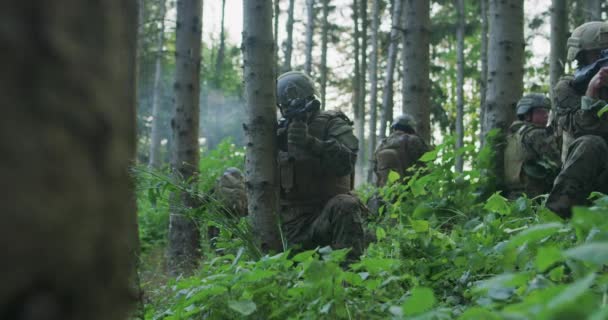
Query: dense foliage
[[446, 248]]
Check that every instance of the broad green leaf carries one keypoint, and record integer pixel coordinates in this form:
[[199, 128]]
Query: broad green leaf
[[557, 274], [245, 308], [477, 313], [303, 256], [380, 233], [601, 314], [422, 299], [420, 225], [572, 292], [547, 256], [534, 234], [393, 176], [499, 204], [595, 252], [429, 156]]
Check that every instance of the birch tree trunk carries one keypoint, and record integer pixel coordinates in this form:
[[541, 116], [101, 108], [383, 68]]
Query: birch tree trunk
[[324, 40], [386, 113], [505, 68], [310, 29], [559, 36], [592, 10], [484, 67], [155, 160], [416, 65], [219, 63], [184, 237], [460, 83], [373, 79], [67, 139], [288, 44], [260, 129]]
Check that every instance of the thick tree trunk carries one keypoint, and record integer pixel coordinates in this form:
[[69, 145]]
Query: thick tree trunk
[[505, 68], [260, 129], [373, 79], [324, 40], [592, 10], [484, 67], [460, 83], [184, 237], [67, 139], [288, 44], [386, 113], [416, 92], [559, 36], [155, 160], [219, 63], [310, 29]]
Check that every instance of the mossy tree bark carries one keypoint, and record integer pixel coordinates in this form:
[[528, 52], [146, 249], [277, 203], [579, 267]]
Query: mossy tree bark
[[68, 231]]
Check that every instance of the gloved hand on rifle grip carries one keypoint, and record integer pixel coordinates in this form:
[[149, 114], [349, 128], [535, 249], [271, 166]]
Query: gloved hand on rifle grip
[[297, 134], [599, 80]]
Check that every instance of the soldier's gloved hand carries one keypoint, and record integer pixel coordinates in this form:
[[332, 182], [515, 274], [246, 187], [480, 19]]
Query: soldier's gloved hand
[[597, 82], [297, 134]]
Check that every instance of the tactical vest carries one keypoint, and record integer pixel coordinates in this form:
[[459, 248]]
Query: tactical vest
[[566, 101], [304, 181], [514, 157], [392, 155]]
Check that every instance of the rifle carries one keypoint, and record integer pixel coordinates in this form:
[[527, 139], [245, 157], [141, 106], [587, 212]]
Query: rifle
[[297, 110], [583, 75]]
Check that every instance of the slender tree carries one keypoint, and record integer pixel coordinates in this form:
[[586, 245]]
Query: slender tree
[[505, 68], [386, 113], [324, 40], [483, 8], [219, 62], [593, 10], [277, 12], [373, 79], [69, 253], [416, 86], [559, 34], [288, 43], [460, 82], [356, 84], [261, 164], [360, 117], [184, 238], [155, 158], [310, 29]]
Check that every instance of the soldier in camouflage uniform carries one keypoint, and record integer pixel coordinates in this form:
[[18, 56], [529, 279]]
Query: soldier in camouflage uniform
[[317, 154], [399, 151], [229, 197], [586, 164], [532, 158]]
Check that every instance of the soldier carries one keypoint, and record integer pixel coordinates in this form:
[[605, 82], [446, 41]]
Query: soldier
[[578, 100], [399, 151], [316, 162], [531, 158], [230, 198]]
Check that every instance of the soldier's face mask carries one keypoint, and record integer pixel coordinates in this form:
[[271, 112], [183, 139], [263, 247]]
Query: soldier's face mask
[[539, 116]]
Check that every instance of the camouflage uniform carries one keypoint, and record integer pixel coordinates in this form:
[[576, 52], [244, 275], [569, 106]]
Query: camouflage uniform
[[585, 134], [230, 196], [397, 152], [317, 208]]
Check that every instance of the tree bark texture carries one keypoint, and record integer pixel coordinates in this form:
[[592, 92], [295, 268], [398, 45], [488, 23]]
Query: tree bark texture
[[373, 80], [184, 237], [219, 63], [460, 82], [386, 113], [559, 36], [67, 140], [324, 40], [359, 128], [484, 67], [592, 10], [505, 68], [288, 44], [310, 29], [155, 160], [362, 156], [416, 92], [260, 129], [277, 13]]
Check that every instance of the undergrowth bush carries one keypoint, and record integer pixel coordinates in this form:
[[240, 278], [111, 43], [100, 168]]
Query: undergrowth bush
[[447, 248]]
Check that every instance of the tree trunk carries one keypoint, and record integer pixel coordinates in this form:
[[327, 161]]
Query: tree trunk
[[67, 141], [593, 10], [155, 161], [362, 159], [277, 13], [324, 40], [261, 165], [416, 92], [184, 237], [359, 129], [373, 80], [559, 36], [505, 69], [288, 44], [219, 63], [484, 67], [386, 113], [460, 83], [310, 29]]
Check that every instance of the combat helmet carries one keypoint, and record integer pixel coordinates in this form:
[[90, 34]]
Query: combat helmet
[[589, 36], [294, 85], [531, 101], [404, 122]]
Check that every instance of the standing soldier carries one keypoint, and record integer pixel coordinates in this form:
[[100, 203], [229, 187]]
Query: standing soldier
[[317, 154], [578, 100], [399, 151], [531, 157]]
